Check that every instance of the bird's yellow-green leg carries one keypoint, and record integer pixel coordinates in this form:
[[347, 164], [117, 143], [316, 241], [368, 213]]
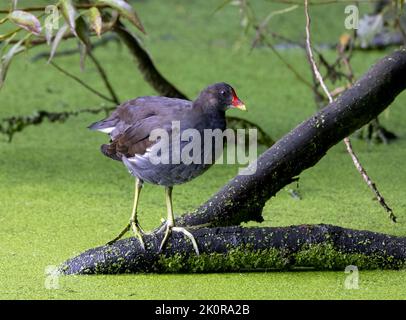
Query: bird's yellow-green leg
[[133, 224], [170, 223]]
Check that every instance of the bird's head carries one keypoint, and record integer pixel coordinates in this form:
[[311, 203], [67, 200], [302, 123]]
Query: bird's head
[[220, 96]]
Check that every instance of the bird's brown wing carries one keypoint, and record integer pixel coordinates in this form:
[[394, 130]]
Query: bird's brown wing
[[132, 122], [136, 138]]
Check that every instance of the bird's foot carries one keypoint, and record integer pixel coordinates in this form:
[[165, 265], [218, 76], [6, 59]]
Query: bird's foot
[[170, 228], [137, 230]]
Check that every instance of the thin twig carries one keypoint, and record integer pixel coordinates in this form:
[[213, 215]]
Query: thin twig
[[101, 95], [401, 30], [288, 65], [347, 141], [371, 185], [42, 8], [311, 57], [101, 5], [368, 180], [321, 2], [264, 24], [60, 53], [104, 77]]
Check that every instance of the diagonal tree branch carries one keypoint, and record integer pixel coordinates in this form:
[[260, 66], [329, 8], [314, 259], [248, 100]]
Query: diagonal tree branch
[[146, 65], [242, 199]]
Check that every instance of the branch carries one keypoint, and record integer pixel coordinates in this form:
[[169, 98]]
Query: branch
[[42, 8], [146, 65], [96, 44], [9, 126], [243, 198], [104, 77], [287, 64], [321, 247], [82, 83]]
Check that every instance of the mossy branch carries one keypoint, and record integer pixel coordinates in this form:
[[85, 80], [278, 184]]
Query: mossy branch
[[11, 125], [228, 249]]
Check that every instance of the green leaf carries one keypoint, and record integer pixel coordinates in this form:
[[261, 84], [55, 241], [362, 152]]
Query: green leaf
[[82, 55], [58, 37], [26, 21], [222, 5], [82, 31], [7, 58], [125, 10], [8, 35], [3, 20], [69, 13], [95, 20]]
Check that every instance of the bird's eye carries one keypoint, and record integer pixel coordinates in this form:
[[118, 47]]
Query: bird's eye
[[222, 92]]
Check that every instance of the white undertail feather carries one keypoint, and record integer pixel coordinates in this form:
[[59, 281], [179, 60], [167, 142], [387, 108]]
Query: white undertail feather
[[106, 130]]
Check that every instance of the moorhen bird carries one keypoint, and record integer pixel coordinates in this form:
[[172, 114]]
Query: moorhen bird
[[130, 127]]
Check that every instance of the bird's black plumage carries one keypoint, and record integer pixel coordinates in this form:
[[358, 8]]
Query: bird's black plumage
[[131, 124]]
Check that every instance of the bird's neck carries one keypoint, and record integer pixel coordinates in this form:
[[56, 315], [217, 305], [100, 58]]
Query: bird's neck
[[207, 108]]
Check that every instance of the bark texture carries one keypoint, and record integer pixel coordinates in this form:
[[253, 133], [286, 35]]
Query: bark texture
[[321, 247]]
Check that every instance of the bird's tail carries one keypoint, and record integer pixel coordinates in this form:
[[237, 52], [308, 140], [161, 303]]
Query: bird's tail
[[106, 125]]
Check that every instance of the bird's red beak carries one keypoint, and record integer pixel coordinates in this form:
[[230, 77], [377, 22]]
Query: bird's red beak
[[237, 103]]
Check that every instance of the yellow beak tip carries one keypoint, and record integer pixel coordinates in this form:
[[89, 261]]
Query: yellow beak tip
[[242, 107]]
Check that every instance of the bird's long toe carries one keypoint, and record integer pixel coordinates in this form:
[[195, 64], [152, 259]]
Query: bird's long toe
[[189, 235], [170, 229], [138, 232]]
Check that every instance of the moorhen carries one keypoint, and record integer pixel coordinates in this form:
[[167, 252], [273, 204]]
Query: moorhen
[[130, 128]]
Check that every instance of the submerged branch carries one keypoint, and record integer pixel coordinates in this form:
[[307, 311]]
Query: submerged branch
[[10, 126]]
